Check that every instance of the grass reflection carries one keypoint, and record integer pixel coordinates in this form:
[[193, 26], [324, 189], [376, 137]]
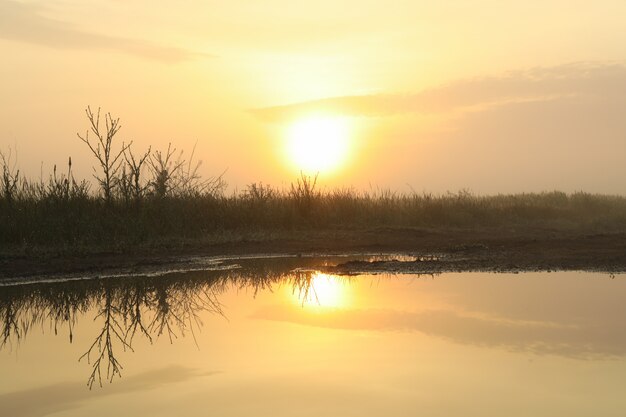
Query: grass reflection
[[152, 308]]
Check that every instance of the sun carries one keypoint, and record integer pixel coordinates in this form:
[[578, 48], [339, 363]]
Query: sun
[[318, 144]]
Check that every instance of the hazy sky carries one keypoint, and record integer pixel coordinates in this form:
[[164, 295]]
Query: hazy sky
[[491, 96]]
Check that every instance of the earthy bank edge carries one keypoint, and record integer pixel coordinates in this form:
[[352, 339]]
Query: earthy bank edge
[[461, 250]]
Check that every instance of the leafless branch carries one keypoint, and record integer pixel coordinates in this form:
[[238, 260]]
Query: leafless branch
[[102, 149]]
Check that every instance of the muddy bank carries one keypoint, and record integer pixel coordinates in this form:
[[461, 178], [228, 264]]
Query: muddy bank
[[433, 251]]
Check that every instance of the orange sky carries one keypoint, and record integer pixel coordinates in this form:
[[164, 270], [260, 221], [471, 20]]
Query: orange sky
[[492, 96]]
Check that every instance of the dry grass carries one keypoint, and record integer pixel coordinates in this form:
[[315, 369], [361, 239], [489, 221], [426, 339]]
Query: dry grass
[[64, 215]]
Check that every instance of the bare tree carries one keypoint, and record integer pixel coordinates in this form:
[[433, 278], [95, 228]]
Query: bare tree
[[102, 149], [164, 170], [174, 175], [134, 167], [190, 182]]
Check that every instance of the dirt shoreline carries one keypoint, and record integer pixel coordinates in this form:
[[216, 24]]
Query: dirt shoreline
[[455, 250]]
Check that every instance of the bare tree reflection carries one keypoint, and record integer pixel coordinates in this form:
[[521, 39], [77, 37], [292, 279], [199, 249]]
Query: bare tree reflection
[[130, 308], [102, 347], [134, 300]]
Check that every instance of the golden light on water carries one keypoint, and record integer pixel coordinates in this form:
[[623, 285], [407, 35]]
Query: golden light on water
[[318, 144], [324, 291]]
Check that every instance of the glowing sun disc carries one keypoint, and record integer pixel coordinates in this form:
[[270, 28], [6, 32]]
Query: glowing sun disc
[[318, 144]]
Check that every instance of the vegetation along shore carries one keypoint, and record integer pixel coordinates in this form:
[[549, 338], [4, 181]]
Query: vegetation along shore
[[144, 205]]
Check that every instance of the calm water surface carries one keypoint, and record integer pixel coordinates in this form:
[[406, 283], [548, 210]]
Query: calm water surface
[[264, 340]]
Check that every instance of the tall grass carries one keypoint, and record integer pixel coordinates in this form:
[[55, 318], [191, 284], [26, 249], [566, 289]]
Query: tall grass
[[158, 197], [65, 214]]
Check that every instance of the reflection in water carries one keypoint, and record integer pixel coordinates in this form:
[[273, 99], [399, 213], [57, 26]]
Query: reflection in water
[[316, 289], [63, 395], [149, 307], [376, 325]]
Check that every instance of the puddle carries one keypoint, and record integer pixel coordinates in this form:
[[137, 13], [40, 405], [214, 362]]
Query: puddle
[[274, 335]]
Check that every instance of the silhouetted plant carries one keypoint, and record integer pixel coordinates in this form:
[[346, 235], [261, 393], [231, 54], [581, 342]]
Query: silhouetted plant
[[173, 175], [259, 193], [102, 149], [188, 181], [164, 169], [10, 176], [63, 187], [135, 165], [303, 193]]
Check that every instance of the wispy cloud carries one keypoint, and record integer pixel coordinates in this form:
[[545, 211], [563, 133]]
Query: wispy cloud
[[539, 84], [66, 395], [23, 22], [577, 340]]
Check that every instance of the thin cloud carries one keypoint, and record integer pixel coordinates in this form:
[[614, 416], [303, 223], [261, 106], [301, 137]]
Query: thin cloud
[[25, 23], [65, 396], [539, 84], [603, 340]]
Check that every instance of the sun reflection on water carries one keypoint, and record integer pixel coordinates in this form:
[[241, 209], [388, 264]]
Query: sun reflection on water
[[323, 290]]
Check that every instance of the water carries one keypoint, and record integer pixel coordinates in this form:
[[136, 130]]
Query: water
[[257, 339]]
